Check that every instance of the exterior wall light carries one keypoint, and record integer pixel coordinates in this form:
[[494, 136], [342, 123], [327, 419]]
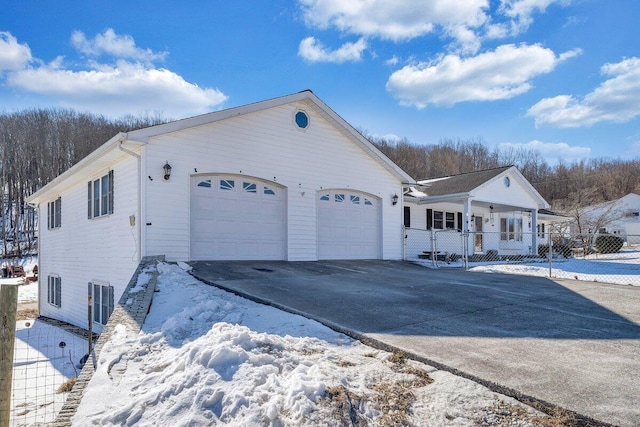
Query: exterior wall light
[[167, 170], [394, 200]]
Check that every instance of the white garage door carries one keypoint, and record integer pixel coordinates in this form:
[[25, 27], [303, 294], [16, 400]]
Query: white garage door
[[236, 218], [348, 225]]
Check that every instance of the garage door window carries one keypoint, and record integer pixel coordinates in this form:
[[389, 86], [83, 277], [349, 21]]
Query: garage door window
[[269, 191], [355, 200], [227, 184], [339, 198], [205, 184], [325, 198], [249, 187]]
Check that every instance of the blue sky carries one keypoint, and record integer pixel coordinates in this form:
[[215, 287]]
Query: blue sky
[[558, 76]]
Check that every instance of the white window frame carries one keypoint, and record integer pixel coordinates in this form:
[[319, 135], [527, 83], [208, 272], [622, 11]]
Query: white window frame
[[511, 229], [102, 301], [54, 290], [54, 214], [100, 196]]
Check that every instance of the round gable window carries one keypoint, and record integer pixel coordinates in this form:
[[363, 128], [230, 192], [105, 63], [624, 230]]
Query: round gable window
[[302, 120], [507, 181]]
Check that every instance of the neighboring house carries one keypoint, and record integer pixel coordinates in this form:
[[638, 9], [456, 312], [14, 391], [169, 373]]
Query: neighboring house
[[282, 179], [498, 207], [620, 217]]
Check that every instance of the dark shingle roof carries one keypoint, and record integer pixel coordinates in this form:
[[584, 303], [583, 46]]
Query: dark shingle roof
[[462, 183]]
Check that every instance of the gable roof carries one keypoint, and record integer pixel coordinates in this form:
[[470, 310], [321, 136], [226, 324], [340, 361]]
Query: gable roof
[[461, 183], [116, 148], [466, 184], [305, 96]]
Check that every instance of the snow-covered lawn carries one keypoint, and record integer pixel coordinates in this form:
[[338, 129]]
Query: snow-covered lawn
[[622, 268], [41, 366], [207, 357]]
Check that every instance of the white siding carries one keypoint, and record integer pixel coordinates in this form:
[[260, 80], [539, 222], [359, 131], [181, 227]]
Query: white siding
[[515, 195], [83, 250], [264, 144]]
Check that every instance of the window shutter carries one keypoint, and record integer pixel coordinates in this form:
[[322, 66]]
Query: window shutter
[[459, 214], [407, 216], [110, 302], [429, 219], [49, 215], [89, 210], [58, 215], [111, 191], [58, 281]]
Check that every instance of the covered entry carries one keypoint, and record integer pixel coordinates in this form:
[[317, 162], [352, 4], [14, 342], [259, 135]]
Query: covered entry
[[236, 217], [348, 225]]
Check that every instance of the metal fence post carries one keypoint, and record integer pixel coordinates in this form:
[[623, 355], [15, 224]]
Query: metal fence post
[[8, 310], [550, 255], [465, 250], [434, 248]]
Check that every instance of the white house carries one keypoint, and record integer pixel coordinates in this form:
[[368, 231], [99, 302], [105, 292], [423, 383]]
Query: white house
[[282, 179], [620, 217], [497, 209]]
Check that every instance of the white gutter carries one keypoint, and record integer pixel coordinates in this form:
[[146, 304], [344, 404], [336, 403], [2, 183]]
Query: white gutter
[[138, 220]]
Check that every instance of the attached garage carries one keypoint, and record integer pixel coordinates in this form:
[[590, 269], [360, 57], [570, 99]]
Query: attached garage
[[236, 218], [349, 225]]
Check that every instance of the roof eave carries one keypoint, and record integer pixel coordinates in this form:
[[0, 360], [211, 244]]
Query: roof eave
[[53, 187]]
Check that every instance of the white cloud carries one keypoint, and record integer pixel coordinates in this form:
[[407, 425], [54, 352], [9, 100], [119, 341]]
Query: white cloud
[[314, 51], [126, 86], [500, 74], [551, 151], [616, 100], [395, 20], [392, 61], [110, 43], [13, 55], [521, 12], [120, 89]]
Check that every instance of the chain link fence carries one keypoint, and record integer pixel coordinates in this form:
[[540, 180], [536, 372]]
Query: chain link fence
[[604, 258], [39, 365]]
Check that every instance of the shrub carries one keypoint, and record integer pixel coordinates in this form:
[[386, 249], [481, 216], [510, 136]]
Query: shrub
[[564, 250], [609, 244]]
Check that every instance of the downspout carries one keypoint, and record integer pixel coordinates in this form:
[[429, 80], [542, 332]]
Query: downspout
[[138, 220]]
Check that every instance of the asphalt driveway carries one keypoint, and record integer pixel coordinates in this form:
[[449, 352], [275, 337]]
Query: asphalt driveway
[[574, 344]]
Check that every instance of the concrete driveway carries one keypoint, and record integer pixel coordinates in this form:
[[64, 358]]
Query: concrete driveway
[[574, 344]]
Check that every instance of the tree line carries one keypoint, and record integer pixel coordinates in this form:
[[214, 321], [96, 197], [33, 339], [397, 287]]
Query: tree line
[[564, 185], [37, 145]]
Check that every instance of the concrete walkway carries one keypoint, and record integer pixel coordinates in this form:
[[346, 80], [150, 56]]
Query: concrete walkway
[[574, 344]]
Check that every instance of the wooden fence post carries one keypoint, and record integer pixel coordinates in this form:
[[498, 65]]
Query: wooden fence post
[[8, 309]]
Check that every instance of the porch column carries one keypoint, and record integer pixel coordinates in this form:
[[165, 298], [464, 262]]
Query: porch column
[[534, 231]]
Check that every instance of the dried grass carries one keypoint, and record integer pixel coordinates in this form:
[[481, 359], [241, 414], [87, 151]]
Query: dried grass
[[66, 386]]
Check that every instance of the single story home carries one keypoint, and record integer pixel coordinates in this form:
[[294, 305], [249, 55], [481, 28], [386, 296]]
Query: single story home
[[620, 217], [282, 179], [490, 211]]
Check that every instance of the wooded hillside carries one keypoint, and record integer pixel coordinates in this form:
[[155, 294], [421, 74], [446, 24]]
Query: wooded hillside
[[562, 185], [35, 147], [39, 144]]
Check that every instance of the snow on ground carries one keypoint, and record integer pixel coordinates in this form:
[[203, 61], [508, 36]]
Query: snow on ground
[[27, 292], [621, 268], [40, 367], [208, 357]]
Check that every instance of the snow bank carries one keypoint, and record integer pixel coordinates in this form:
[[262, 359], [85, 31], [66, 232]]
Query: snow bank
[[207, 357]]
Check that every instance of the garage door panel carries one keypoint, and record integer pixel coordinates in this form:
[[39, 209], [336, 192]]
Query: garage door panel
[[236, 219], [348, 225]]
